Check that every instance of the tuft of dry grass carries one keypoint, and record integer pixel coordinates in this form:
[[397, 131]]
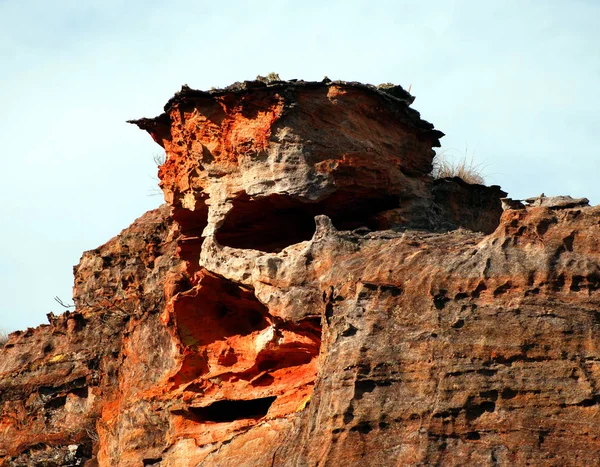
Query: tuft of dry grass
[[3, 337], [465, 169]]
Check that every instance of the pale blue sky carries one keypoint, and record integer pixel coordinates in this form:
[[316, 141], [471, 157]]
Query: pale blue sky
[[514, 83]]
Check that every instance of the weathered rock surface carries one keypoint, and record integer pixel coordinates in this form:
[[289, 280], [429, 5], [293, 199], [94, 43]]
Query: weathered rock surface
[[58, 381], [459, 204], [281, 153], [557, 202], [313, 297]]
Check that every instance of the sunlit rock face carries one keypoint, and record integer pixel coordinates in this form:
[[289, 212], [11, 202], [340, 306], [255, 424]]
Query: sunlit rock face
[[311, 296], [280, 153], [60, 381]]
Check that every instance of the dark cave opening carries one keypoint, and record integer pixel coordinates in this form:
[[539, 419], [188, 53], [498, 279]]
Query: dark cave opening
[[274, 222], [231, 410]]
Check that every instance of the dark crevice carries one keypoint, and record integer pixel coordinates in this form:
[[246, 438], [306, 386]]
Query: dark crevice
[[56, 402], [568, 241], [362, 387], [152, 462], [542, 436], [593, 281], [589, 283], [575, 283], [393, 290], [451, 412], [368, 290], [458, 323], [508, 393], [329, 312], [263, 380], [557, 284], [81, 392], [478, 371], [191, 226], [348, 415], [231, 410], [480, 288], [527, 346], [542, 227], [494, 457], [274, 222], [440, 300], [508, 361], [493, 395], [362, 427], [79, 383], [473, 412], [594, 400], [502, 289]]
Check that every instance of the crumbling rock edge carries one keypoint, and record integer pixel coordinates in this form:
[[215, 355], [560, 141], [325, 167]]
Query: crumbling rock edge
[[188, 96]]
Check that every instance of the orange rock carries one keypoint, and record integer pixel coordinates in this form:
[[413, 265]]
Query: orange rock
[[308, 298]]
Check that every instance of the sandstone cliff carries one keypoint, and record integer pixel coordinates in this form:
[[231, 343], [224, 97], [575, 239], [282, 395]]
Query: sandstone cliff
[[311, 296]]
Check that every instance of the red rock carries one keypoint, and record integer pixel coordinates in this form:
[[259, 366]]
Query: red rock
[[313, 297]]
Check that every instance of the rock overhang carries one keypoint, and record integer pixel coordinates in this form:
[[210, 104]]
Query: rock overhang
[[275, 149], [187, 97]]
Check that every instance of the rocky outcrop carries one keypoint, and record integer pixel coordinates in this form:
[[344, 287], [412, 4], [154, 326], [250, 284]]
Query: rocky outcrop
[[312, 297], [280, 153], [59, 381]]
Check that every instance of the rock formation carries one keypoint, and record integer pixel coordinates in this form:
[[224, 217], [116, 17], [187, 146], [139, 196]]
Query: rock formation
[[310, 296]]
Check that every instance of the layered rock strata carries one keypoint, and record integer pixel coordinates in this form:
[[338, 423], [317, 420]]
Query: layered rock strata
[[311, 296]]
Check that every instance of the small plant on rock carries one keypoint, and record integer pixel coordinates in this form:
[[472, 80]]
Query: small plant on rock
[[159, 158], [465, 168]]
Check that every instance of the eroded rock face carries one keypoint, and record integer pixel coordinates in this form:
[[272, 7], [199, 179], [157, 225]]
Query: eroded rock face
[[283, 152], [459, 349], [312, 297], [58, 381]]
